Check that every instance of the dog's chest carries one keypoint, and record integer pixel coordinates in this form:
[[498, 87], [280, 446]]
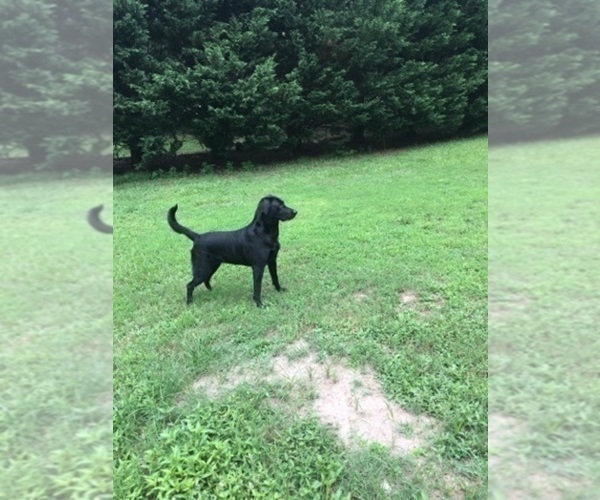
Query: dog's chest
[[273, 248]]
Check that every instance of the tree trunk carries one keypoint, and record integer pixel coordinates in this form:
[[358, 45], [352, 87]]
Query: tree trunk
[[36, 151], [136, 151], [358, 135]]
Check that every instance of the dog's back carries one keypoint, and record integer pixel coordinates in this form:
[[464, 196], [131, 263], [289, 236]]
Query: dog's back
[[231, 247], [224, 246]]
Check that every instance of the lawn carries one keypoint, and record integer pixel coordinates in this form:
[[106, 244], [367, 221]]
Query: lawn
[[56, 356], [544, 387], [386, 274]]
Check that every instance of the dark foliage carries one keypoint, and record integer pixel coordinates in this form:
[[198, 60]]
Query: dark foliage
[[271, 74]]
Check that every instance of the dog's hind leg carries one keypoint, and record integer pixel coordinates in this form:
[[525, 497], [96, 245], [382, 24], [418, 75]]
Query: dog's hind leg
[[212, 272], [199, 275], [191, 286]]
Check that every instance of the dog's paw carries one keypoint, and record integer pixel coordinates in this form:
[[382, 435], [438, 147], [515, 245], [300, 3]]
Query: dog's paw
[[282, 289]]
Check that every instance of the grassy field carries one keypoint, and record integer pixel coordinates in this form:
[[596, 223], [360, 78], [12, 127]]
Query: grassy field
[[386, 273], [56, 324], [544, 387]]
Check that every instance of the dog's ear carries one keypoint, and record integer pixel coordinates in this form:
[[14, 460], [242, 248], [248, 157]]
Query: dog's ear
[[262, 209], [265, 205]]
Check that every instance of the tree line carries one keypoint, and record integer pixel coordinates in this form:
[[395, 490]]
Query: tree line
[[55, 77], [264, 74], [544, 69]]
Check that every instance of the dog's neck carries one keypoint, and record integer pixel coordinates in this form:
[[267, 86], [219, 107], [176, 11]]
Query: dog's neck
[[271, 229]]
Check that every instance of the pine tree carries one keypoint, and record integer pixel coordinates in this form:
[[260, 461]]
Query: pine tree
[[259, 74], [133, 67], [55, 75], [543, 69]]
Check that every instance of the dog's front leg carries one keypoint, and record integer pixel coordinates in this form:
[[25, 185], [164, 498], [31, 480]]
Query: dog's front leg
[[274, 277], [257, 274]]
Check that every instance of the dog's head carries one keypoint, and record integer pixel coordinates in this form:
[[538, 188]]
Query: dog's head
[[272, 210]]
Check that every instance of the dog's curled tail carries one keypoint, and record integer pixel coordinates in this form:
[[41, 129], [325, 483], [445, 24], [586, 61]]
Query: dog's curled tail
[[178, 228], [93, 217]]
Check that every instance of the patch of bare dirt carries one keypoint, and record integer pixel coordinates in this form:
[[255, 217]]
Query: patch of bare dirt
[[361, 295], [350, 401], [213, 386], [354, 404], [408, 297], [432, 306], [411, 300], [272, 333]]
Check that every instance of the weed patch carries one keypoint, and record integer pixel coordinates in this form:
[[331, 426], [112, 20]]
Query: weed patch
[[351, 401]]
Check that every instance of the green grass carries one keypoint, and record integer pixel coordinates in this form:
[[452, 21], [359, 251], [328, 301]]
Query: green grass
[[369, 226], [544, 275], [56, 356]]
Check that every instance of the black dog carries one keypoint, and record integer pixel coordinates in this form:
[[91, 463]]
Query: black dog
[[255, 245], [93, 218]]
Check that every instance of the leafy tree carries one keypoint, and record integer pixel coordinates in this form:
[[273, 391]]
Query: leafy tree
[[543, 68], [236, 89], [264, 73], [134, 114], [446, 41], [474, 20], [55, 75]]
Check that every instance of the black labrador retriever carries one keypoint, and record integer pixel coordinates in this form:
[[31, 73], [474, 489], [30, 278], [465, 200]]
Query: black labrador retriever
[[93, 217], [255, 245]]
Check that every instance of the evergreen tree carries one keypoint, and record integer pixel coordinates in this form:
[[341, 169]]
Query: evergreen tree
[[263, 73], [544, 70], [55, 75], [134, 114], [234, 86]]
